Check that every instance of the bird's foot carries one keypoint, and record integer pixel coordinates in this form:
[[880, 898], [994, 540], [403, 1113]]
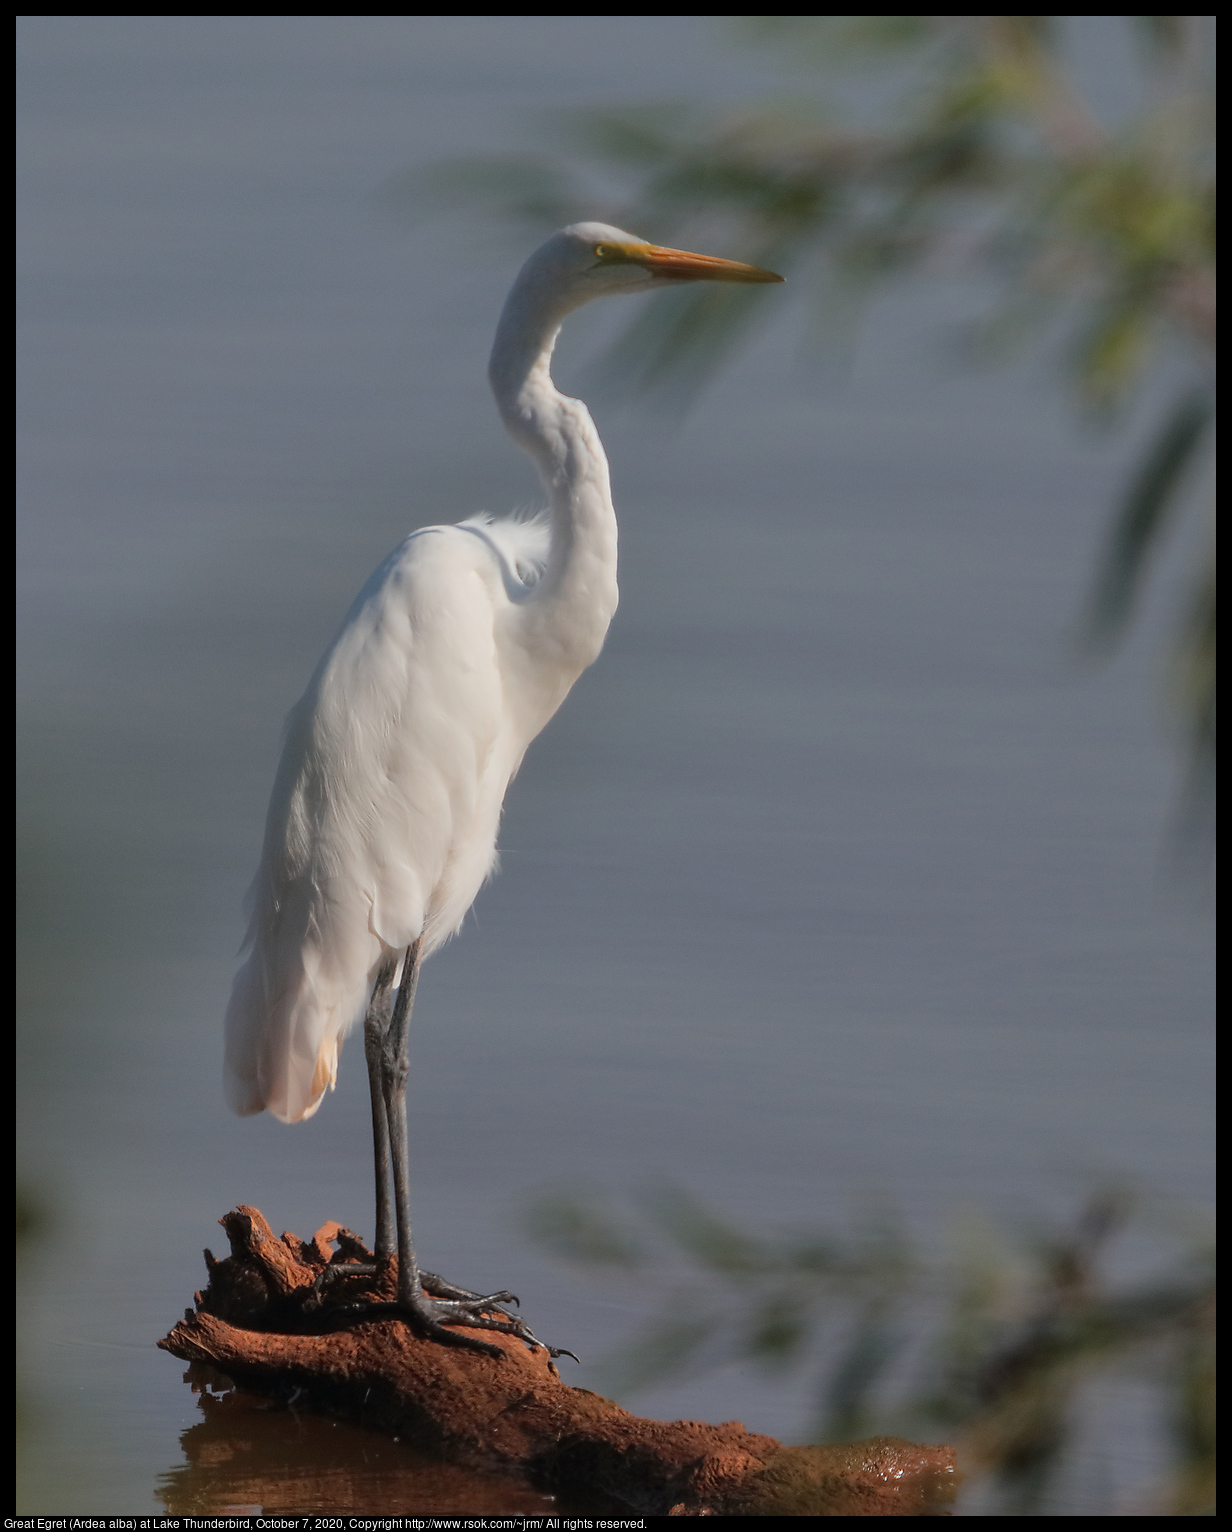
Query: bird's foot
[[433, 1314], [437, 1287], [334, 1272], [433, 1306], [432, 1285]]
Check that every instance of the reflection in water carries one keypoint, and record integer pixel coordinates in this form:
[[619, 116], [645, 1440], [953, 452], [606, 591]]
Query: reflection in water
[[251, 1454]]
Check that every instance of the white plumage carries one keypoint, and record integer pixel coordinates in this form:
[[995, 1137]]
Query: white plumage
[[382, 825], [383, 822]]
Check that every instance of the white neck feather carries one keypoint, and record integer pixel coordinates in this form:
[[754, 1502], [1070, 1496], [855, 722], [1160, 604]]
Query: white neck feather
[[576, 597]]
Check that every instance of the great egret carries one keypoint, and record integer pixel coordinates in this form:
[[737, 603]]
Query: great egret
[[383, 821]]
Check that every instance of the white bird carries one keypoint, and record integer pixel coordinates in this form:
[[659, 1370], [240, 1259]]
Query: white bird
[[383, 821]]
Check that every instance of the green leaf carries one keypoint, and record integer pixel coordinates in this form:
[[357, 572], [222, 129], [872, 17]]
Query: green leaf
[[668, 1349], [777, 1332], [874, 1343], [1195, 684], [713, 1243], [581, 1231], [1150, 502]]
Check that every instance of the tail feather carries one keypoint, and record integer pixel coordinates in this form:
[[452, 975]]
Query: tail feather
[[284, 1032]]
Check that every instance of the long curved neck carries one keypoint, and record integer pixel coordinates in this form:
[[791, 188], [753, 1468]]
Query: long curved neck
[[576, 596]]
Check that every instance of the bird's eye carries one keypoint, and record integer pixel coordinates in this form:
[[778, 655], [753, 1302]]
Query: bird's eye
[[604, 252]]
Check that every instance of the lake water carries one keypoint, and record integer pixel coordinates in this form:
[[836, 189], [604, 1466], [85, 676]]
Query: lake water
[[836, 872]]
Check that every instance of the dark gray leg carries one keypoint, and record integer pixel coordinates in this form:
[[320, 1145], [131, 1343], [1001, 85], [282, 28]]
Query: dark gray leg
[[395, 1071], [454, 1305], [380, 1049], [430, 1302], [375, 1024]]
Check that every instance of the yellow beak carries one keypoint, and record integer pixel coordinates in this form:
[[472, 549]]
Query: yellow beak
[[684, 266]]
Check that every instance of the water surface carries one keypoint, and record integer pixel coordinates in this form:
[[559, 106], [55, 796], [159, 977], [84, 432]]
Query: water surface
[[834, 873]]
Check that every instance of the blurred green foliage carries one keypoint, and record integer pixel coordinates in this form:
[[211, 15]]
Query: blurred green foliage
[[998, 1346], [952, 146]]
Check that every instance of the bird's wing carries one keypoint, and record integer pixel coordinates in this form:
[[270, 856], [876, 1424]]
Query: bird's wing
[[383, 820]]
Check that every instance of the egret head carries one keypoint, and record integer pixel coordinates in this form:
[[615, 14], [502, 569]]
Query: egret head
[[595, 260], [581, 262]]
